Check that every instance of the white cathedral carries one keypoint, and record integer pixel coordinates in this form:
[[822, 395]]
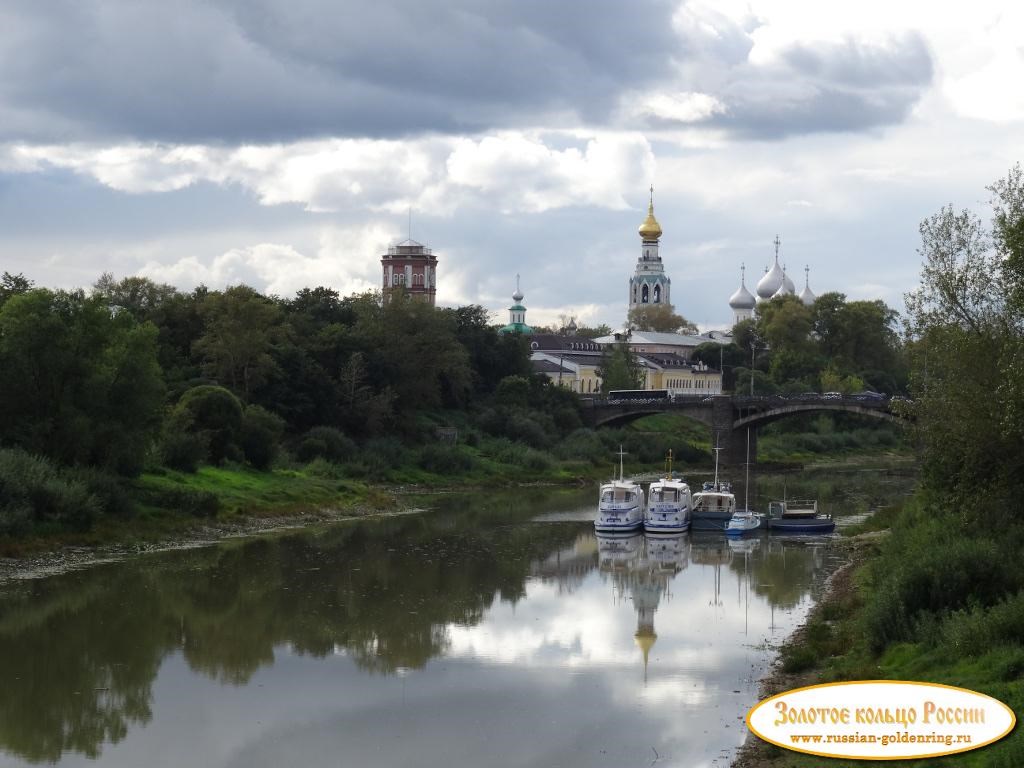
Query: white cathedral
[[774, 284]]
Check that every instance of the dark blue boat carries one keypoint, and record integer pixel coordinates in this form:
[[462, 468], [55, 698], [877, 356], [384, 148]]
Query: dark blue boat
[[797, 516]]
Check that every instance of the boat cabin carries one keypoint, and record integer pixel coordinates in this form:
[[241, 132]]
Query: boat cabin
[[712, 501], [618, 494], [793, 508], [666, 493]]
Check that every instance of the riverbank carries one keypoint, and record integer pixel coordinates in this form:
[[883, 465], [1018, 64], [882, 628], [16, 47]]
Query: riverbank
[[925, 595], [818, 636]]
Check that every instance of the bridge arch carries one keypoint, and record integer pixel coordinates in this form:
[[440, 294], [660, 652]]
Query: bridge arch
[[729, 416]]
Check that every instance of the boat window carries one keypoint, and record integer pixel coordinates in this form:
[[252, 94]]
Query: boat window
[[606, 496]]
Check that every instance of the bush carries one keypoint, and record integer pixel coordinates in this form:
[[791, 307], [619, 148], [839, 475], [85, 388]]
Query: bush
[[33, 492], [108, 490], [213, 412], [977, 630], [936, 576], [525, 429], [183, 451], [583, 444], [445, 459], [260, 436], [326, 443]]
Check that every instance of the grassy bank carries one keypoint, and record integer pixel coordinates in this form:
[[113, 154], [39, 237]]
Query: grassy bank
[[930, 595], [47, 506]]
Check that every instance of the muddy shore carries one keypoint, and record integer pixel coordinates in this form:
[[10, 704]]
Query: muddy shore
[[210, 532]]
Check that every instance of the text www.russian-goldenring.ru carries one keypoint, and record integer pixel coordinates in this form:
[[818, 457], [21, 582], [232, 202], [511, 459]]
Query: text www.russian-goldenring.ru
[[884, 740]]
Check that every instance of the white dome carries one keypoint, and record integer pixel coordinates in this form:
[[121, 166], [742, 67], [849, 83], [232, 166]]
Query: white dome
[[807, 295], [790, 287], [769, 285], [742, 299]]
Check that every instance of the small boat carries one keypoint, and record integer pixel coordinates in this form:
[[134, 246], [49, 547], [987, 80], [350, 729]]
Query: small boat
[[620, 506], [798, 516], [742, 521], [668, 503], [714, 504]]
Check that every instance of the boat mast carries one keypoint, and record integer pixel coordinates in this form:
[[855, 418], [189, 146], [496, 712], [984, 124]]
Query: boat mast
[[621, 454], [746, 479], [716, 449]]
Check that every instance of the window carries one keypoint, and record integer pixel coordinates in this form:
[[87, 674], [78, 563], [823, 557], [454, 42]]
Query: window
[[657, 294], [644, 295]]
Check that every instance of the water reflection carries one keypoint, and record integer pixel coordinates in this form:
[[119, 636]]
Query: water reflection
[[476, 612]]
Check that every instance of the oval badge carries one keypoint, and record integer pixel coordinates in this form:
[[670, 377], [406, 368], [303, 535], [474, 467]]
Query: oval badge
[[881, 720]]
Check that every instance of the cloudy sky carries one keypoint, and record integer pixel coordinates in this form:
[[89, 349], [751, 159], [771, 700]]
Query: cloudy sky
[[282, 144]]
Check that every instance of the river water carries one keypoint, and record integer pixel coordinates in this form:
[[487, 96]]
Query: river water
[[494, 630]]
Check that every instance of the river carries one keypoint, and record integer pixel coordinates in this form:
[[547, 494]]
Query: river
[[493, 630]]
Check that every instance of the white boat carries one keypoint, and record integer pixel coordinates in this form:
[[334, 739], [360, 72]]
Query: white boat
[[620, 506], [714, 505], [743, 520], [668, 504]]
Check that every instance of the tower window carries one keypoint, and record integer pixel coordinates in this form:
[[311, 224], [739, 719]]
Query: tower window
[[644, 295], [657, 294]]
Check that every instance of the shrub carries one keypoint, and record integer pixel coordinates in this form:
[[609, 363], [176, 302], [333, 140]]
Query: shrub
[[108, 490], [936, 576], [525, 429], [326, 443], [183, 451], [976, 630], [33, 492], [210, 411], [445, 459], [260, 436], [583, 444]]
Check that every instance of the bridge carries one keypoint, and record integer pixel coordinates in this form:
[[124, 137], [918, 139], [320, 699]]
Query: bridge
[[730, 416]]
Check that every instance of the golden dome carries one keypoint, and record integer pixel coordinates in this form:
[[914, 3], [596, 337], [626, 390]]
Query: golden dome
[[650, 229]]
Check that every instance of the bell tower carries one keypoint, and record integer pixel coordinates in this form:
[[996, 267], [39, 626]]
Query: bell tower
[[649, 283]]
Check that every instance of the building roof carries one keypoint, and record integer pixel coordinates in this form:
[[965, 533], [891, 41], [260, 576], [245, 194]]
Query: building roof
[[656, 337], [546, 366], [542, 342]]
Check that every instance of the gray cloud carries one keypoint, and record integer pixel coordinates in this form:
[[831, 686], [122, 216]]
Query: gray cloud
[[236, 71], [849, 86], [268, 71]]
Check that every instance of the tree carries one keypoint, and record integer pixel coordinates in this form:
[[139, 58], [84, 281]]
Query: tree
[[241, 328], [138, 295], [213, 414], [658, 317], [619, 369], [728, 358], [80, 384], [13, 285], [964, 328]]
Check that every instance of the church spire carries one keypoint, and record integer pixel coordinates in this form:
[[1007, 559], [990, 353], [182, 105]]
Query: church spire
[[650, 229]]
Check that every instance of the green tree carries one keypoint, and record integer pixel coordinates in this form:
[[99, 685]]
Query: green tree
[[965, 339], [212, 413], [241, 329], [80, 383], [619, 369], [13, 285], [138, 295], [658, 317]]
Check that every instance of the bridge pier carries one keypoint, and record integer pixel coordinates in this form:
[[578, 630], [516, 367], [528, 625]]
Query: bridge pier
[[733, 442]]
